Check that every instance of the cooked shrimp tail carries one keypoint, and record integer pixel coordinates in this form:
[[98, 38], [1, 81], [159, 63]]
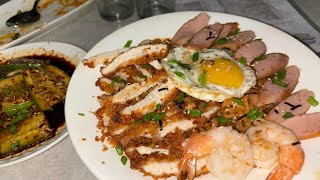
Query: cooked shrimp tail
[[198, 146], [187, 167], [291, 158]]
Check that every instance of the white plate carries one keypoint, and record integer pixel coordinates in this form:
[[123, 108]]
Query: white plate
[[52, 14], [69, 52], [166, 25]]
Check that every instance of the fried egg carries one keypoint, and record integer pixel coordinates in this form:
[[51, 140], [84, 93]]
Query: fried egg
[[210, 75]]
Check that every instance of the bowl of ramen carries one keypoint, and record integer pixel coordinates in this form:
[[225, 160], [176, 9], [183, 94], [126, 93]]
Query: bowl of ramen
[[34, 79], [196, 95]]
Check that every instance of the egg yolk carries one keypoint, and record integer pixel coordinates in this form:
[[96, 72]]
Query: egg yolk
[[223, 72]]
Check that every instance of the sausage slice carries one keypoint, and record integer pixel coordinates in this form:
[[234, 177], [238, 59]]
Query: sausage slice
[[235, 41], [296, 104], [251, 51], [273, 63], [190, 28], [273, 93], [305, 126], [205, 37]]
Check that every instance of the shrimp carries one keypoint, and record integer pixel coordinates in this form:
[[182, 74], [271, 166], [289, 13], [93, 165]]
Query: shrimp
[[227, 153], [271, 144]]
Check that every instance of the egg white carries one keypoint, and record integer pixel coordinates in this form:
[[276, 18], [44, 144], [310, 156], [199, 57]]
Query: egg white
[[190, 84]]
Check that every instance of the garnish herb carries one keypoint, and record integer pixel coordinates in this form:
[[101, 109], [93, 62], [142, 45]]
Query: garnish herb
[[261, 57], [254, 113], [1, 122], [180, 97], [119, 150], [80, 114], [124, 160], [204, 105], [14, 109], [287, 115], [15, 36], [243, 60], [202, 78], [21, 116], [151, 117], [238, 101], [280, 83], [144, 66], [222, 41], [312, 101], [234, 32], [222, 119], [281, 74], [15, 145], [13, 129], [19, 11], [158, 106], [143, 76], [195, 56], [128, 44], [180, 74], [175, 62], [117, 79], [195, 112]]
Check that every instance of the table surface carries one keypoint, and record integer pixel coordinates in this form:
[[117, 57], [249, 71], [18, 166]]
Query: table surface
[[87, 29]]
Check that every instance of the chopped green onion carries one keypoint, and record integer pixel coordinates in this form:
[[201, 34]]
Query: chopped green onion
[[158, 106], [80, 114], [128, 44], [13, 129], [21, 116], [254, 113], [234, 32], [117, 79], [222, 119], [175, 62], [280, 83], [180, 74], [222, 41], [195, 56], [180, 97], [287, 115], [238, 101], [281, 74], [312, 101], [158, 117], [143, 76], [19, 11], [243, 61], [14, 109], [261, 57], [202, 78], [124, 160], [195, 112], [15, 145], [12, 67], [151, 117], [144, 66], [119, 150], [1, 122], [15, 36], [204, 105]]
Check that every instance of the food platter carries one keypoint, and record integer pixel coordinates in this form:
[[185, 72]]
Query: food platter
[[52, 13], [82, 129], [71, 54]]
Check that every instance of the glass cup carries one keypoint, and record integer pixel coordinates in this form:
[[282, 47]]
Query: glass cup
[[115, 10], [147, 8]]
